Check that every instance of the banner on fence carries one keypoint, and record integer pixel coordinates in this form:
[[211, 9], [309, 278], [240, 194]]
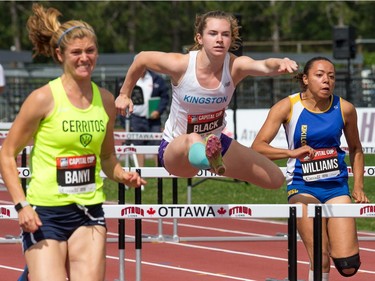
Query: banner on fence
[[249, 122]]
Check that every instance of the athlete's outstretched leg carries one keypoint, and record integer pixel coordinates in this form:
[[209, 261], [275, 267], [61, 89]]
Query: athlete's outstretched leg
[[244, 163]]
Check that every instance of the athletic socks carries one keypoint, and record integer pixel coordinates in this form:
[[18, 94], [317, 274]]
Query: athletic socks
[[325, 276], [208, 155], [213, 153], [197, 156]]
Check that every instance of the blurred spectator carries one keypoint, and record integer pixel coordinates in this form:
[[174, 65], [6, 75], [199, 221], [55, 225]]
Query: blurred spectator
[[2, 79], [150, 98]]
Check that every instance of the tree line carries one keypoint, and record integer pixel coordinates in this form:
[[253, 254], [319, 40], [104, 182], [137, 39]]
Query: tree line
[[133, 26]]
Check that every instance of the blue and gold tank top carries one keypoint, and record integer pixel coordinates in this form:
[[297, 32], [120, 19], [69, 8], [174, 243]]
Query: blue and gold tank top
[[322, 131]]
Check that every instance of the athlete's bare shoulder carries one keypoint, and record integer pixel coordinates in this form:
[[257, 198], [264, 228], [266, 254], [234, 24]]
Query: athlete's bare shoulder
[[171, 64]]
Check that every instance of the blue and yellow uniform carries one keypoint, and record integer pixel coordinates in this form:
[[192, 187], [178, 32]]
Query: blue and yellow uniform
[[326, 175]]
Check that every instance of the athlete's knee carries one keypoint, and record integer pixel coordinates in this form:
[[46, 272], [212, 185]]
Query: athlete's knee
[[349, 266]]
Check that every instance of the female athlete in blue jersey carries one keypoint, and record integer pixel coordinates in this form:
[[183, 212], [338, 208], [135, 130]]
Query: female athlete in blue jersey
[[314, 121]]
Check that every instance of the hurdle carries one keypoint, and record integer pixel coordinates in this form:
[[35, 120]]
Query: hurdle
[[152, 172], [139, 212], [319, 211], [159, 173]]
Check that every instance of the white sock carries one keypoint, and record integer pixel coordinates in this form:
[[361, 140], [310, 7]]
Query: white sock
[[311, 275], [325, 276]]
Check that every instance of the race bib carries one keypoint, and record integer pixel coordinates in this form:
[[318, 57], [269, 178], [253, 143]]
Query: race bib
[[76, 174], [205, 123], [324, 165]]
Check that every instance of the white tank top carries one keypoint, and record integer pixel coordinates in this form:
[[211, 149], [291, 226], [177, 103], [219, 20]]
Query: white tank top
[[195, 108]]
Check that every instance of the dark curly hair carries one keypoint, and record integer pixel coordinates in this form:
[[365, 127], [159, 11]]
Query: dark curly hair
[[299, 76]]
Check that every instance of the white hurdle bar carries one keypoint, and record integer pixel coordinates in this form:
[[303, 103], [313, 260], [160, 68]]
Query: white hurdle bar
[[159, 172], [139, 212], [319, 211], [172, 211]]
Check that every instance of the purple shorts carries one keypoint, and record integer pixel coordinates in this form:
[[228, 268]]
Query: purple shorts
[[224, 139]]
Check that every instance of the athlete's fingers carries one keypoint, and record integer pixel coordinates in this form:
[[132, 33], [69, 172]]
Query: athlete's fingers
[[133, 179]]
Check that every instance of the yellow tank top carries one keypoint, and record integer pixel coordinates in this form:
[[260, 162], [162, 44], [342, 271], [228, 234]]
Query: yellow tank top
[[65, 159]]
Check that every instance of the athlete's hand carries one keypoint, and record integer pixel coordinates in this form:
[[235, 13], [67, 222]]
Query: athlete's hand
[[132, 179], [123, 104], [304, 152], [155, 115], [359, 196], [28, 219], [287, 66]]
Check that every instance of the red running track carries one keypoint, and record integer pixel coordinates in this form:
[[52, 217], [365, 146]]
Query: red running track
[[191, 261]]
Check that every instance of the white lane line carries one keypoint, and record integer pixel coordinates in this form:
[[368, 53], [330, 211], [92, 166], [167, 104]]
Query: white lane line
[[367, 249], [11, 268], [221, 250], [227, 277], [245, 254], [211, 228]]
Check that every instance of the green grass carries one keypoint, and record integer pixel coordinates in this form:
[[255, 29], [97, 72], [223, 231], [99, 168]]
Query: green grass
[[227, 191]]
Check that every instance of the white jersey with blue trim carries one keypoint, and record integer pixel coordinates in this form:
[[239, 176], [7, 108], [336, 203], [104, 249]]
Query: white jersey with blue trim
[[321, 131], [195, 108]]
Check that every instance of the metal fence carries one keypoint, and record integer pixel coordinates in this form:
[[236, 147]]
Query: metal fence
[[258, 92]]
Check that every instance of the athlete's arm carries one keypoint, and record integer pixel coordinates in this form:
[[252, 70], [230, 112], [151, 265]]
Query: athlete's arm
[[244, 66], [36, 107], [171, 64], [278, 115], [110, 165], [355, 151]]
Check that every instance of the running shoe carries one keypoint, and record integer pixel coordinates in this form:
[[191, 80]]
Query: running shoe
[[213, 154]]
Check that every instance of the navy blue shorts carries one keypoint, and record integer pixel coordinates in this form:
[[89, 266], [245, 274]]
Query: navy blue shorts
[[224, 139], [60, 222], [323, 194]]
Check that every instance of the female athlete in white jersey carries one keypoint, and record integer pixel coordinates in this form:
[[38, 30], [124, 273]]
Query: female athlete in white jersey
[[203, 82]]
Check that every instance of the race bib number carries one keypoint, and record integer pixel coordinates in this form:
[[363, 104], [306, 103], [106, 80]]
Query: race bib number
[[324, 165], [205, 123], [76, 174]]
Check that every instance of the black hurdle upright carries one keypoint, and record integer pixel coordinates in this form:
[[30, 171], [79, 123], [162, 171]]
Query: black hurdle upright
[[24, 164], [292, 244], [121, 234], [138, 233], [160, 187], [175, 202], [160, 202], [318, 244]]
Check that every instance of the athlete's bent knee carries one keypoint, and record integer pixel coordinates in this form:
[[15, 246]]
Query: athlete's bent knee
[[349, 266]]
